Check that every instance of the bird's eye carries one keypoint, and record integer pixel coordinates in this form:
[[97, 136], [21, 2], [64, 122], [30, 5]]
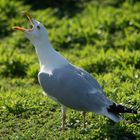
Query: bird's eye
[[38, 27]]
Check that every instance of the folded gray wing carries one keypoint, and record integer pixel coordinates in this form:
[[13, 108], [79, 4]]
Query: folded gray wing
[[92, 81], [74, 88]]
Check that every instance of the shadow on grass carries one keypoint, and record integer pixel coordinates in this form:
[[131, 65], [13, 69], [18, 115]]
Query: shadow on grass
[[20, 111], [109, 130], [115, 131], [62, 7]]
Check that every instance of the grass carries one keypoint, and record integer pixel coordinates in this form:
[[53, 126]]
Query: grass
[[103, 37]]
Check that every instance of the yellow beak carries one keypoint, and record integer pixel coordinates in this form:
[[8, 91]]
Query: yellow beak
[[22, 28]]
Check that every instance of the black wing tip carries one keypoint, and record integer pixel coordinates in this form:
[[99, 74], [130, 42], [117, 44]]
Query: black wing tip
[[117, 108], [134, 111]]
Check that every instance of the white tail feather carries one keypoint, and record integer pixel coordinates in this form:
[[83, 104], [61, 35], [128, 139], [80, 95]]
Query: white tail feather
[[115, 118], [112, 116]]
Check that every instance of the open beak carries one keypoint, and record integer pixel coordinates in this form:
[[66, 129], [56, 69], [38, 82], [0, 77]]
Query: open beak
[[22, 28]]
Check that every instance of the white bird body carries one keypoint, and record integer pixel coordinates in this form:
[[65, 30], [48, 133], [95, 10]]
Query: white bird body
[[50, 60]]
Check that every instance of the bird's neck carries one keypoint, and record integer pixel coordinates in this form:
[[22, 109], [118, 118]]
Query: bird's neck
[[49, 59]]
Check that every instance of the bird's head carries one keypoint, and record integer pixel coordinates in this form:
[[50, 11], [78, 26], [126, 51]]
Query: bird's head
[[37, 32]]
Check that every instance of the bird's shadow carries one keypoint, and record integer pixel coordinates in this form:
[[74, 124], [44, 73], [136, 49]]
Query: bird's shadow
[[112, 131], [116, 131], [108, 130]]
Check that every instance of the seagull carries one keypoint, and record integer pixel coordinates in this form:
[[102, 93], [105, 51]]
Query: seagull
[[70, 86]]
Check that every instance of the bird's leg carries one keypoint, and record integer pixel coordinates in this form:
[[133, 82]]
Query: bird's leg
[[63, 110], [84, 121]]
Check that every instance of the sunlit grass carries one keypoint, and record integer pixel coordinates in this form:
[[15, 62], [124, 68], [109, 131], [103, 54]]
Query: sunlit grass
[[103, 38]]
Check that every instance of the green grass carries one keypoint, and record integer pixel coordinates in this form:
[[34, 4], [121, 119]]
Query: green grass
[[103, 37]]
